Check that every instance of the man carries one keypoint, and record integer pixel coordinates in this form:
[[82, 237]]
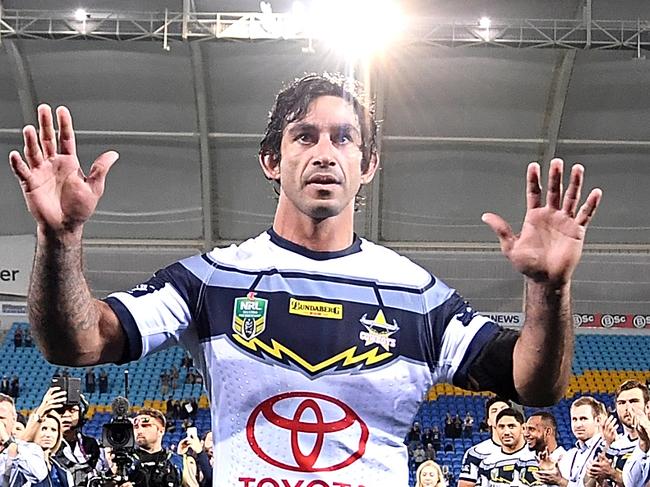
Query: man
[[540, 433], [79, 453], [587, 416], [636, 472], [156, 466], [508, 465], [475, 454], [20, 461], [307, 319], [632, 399]]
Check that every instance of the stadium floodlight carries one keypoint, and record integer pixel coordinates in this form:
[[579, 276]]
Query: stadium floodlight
[[484, 22], [80, 15], [356, 28]]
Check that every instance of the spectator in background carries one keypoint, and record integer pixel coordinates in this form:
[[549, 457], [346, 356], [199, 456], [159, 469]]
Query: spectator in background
[[103, 382], [90, 380], [430, 452], [18, 337], [429, 474], [173, 377], [28, 341], [164, 383], [435, 438], [205, 458], [449, 426], [427, 436], [4, 385], [46, 433], [448, 475], [14, 387], [419, 455], [468, 425], [414, 435], [458, 426], [20, 461]]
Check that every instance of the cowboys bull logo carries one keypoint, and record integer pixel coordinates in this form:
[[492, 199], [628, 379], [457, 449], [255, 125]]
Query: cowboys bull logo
[[303, 431], [249, 316]]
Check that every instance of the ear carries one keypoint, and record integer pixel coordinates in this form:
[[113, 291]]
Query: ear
[[270, 166], [369, 173]]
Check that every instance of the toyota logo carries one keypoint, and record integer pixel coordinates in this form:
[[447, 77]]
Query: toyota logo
[[306, 432]]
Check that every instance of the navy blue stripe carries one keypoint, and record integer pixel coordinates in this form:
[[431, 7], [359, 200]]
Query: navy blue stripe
[[320, 277], [133, 350], [482, 337], [314, 254]]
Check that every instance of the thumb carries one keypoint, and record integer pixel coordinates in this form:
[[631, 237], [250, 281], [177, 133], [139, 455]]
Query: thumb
[[502, 230], [99, 170]]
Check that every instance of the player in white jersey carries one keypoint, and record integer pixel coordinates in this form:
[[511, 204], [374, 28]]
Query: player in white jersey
[[513, 463], [632, 399], [540, 433], [636, 472], [476, 453], [317, 346]]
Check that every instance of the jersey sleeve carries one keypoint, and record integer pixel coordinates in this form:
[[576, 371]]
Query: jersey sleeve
[[636, 472], [469, 468], [157, 313], [471, 351]]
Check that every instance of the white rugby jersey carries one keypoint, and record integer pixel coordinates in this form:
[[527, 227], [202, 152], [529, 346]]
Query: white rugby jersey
[[315, 362], [473, 458], [620, 451], [500, 469]]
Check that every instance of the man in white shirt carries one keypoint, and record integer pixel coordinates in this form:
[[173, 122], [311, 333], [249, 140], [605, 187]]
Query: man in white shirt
[[636, 472], [20, 461]]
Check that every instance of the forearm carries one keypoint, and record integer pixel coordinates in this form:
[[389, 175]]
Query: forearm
[[543, 352], [65, 317]]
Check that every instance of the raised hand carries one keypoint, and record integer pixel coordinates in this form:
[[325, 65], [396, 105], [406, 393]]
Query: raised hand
[[549, 246], [53, 399], [609, 430], [58, 194]]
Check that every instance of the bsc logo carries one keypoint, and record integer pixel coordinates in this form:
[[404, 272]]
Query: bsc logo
[[292, 429]]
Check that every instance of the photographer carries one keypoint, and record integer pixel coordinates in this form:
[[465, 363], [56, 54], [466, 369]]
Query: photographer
[[157, 466]]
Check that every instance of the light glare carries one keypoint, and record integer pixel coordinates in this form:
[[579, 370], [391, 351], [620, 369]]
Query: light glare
[[357, 28], [485, 22], [80, 15]]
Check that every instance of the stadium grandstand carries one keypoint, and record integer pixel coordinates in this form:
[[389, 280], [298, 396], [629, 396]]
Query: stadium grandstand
[[467, 95]]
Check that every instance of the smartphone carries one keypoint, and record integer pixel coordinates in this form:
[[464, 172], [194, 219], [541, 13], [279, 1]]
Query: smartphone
[[72, 387], [192, 432]]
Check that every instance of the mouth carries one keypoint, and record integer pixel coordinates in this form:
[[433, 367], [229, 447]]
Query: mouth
[[322, 180]]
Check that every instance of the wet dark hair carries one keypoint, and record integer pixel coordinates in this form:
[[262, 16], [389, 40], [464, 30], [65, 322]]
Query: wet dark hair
[[292, 104], [511, 413]]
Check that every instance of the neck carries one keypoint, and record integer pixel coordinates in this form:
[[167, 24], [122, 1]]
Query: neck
[[152, 449], [512, 449], [631, 432], [495, 438], [327, 235]]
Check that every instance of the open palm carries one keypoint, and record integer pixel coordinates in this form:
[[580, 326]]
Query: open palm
[[58, 194]]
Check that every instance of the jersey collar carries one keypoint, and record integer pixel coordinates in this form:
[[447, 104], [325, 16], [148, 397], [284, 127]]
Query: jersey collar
[[314, 254]]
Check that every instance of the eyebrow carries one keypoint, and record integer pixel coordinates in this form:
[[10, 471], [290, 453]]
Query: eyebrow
[[306, 126]]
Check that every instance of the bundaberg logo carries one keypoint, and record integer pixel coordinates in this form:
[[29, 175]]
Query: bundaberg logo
[[249, 316], [316, 309]]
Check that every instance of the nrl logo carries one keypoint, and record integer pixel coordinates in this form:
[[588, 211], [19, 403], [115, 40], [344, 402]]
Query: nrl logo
[[249, 316], [378, 331]]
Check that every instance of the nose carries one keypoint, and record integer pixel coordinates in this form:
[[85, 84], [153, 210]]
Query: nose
[[324, 152]]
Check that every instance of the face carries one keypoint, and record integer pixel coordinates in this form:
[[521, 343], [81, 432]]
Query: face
[[19, 428], [147, 430], [509, 431], [7, 416], [208, 445], [70, 418], [428, 476], [583, 423], [628, 404], [48, 434], [320, 166], [495, 409], [535, 433]]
